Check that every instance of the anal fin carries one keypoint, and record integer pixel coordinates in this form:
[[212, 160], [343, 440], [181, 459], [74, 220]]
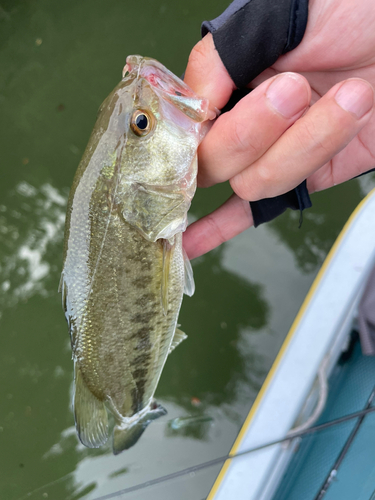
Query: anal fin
[[90, 414], [179, 336]]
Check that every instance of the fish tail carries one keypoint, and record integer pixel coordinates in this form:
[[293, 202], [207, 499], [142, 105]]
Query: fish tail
[[90, 414], [126, 435]]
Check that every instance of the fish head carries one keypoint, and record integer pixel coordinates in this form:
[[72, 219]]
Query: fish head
[[157, 122]]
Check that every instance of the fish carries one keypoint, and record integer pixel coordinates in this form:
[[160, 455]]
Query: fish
[[125, 269]]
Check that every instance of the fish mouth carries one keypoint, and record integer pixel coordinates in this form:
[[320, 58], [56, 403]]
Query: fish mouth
[[168, 86]]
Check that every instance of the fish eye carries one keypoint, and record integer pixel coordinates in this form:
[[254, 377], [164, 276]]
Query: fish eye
[[141, 122]]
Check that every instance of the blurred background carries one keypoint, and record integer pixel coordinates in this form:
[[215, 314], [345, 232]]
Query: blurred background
[[58, 61]]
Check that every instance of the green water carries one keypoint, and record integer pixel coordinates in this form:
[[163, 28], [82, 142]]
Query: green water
[[58, 61]]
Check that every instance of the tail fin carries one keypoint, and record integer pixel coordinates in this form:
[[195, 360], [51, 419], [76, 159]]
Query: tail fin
[[126, 435]]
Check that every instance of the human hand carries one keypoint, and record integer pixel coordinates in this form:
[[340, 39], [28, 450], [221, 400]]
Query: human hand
[[316, 125]]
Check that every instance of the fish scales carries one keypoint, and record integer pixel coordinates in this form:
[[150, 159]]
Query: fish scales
[[124, 266], [132, 321]]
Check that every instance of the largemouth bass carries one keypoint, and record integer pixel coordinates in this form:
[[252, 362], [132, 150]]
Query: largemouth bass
[[124, 270]]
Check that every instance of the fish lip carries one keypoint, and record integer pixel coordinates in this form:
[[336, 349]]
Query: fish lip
[[169, 87]]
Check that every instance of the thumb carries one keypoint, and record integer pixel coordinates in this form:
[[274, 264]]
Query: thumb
[[206, 75]]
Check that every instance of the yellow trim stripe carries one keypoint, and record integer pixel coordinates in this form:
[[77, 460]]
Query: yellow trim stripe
[[285, 345]]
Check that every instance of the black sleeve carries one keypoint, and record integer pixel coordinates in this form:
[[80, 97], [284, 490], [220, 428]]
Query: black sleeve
[[249, 36]]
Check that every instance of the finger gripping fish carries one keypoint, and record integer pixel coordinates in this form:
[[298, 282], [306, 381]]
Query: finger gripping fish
[[124, 270]]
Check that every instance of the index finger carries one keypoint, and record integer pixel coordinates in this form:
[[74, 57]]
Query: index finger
[[206, 74], [232, 218]]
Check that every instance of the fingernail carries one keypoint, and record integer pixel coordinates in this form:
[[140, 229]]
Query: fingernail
[[355, 96], [288, 94]]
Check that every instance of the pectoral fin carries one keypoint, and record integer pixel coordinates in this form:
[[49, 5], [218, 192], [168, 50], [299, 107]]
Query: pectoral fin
[[61, 283], [90, 415], [64, 292], [63, 288], [179, 336], [167, 253], [189, 287]]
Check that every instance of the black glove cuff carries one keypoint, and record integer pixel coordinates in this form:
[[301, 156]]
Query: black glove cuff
[[251, 34], [270, 208]]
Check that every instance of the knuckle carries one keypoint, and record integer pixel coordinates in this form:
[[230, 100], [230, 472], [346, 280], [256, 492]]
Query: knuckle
[[316, 140], [215, 229], [239, 187], [239, 139], [260, 184], [266, 176], [307, 133]]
